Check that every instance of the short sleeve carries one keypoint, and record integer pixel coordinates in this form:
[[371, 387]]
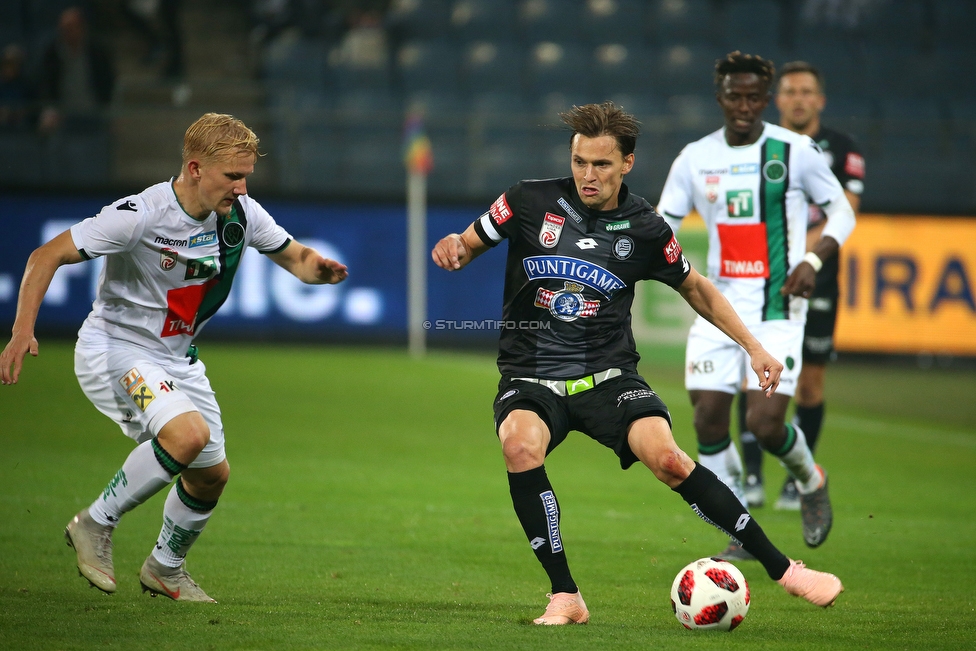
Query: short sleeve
[[266, 235], [677, 197], [849, 168], [115, 229], [667, 263], [815, 177]]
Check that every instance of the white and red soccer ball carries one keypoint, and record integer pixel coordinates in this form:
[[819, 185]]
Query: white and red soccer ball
[[710, 594]]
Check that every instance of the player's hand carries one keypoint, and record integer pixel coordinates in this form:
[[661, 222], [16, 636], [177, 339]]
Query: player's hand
[[12, 357], [331, 272], [768, 369], [450, 253], [801, 282]]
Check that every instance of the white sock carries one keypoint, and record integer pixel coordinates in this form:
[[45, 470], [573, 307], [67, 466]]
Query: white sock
[[727, 466], [182, 525], [142, 476], [798, 461]]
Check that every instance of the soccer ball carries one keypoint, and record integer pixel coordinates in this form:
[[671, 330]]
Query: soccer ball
[[710, 594]]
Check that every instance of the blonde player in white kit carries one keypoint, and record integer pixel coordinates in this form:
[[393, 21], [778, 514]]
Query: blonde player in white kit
[[752, 183], [171, 253]]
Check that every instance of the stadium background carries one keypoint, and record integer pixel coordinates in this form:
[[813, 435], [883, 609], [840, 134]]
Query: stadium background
[[327, 86], [368, 506]]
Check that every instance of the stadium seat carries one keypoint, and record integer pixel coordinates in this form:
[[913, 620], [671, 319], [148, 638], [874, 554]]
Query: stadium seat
[[687, 69], [550, 20], [478, 20], [437, 105], [449, 178], [904, 24], [558, 67], [492, 66], [912, 127], [21, 159], [427, 65], [418, 19], [371, 162], [613, 21], [297, 61], [753, 26], [308, 154], [626, 68], [678, 21], [503, 155], [494, 106]]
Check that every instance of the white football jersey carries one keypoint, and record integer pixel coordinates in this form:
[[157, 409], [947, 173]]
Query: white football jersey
[[754, 201], [165, 272]]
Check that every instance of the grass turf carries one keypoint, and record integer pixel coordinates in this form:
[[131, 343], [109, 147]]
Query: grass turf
[[368, 509]]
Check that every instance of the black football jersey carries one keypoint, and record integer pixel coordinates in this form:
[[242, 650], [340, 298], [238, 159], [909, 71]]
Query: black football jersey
[[846, 162], [570, 276]]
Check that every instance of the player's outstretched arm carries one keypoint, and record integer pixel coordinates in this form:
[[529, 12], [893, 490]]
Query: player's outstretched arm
[[41, 265], [455, 251], [702, 295], [306, 264]]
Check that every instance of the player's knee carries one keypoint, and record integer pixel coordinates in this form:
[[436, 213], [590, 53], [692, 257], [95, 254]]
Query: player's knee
[[521, 451]]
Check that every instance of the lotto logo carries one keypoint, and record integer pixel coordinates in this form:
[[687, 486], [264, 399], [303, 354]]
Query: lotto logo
[[739, 203]]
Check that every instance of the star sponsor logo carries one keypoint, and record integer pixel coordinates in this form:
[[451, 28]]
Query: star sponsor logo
[[745, 168], [552, 227], [563, 267], [203, 239]]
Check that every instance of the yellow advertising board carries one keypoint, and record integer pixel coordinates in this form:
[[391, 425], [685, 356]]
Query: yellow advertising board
[[908, 285]]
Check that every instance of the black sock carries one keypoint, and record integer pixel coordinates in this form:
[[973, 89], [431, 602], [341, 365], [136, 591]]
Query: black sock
[[716, 504], [538, 511], [752, 454], [810, 419]]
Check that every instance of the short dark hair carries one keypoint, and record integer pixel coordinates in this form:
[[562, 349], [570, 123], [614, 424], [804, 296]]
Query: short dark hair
[[607, 119], [738, 62], [803, 66]]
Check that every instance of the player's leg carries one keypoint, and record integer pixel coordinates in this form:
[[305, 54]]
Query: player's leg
[[766, 418], [752, 455], [121, 385], [192, 499], [652, 442], [525, 413], [713, 377]]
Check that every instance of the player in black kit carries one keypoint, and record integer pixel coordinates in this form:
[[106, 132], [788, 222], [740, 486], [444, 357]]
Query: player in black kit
[[800, 100], [577, 246]]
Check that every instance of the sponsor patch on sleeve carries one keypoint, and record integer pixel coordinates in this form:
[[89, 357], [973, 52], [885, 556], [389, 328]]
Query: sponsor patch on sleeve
[[672, 251], [500, 211], [854, 165]]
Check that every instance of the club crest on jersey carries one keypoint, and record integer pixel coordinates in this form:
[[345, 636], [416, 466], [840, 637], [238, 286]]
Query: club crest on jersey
[[711, 188], [774, 171], [623, 246], [552, 227], [167, 259], [566, 304], [233, 234]]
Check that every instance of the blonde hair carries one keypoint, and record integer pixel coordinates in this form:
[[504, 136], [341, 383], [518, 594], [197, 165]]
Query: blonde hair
[[216, 135]]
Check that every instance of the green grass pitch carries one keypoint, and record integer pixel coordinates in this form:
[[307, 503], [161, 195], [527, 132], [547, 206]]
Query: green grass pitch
[[368, 509]]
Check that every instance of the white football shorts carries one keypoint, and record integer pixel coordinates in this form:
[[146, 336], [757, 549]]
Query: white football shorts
[[141, 394], [713, 362]]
